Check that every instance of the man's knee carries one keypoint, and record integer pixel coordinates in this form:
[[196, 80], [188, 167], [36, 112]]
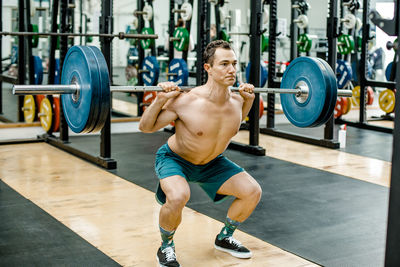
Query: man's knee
[[178, 199], [254, 192]]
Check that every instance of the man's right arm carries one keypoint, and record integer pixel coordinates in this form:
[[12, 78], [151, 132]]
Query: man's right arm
[[155, 116]]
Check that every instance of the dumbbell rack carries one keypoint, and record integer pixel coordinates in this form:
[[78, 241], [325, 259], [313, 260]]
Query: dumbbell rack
[[362, 69]]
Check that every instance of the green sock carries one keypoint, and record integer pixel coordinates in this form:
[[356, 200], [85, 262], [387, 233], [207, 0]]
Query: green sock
[[166, 237], [228, 229]]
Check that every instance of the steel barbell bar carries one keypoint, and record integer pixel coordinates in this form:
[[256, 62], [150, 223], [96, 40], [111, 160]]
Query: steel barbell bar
[[55, 89], [120, 35]]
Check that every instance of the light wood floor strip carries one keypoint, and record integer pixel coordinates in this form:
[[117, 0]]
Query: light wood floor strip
[[330, 160], [116, 216]]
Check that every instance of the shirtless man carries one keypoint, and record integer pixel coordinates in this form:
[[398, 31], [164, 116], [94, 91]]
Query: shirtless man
[[206, 118]]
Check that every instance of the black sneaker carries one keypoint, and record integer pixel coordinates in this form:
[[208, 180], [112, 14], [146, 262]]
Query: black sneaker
[[232, 246], [167, 257]]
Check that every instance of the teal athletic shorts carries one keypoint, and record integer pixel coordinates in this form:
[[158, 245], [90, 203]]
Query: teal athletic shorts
[[209, 176]]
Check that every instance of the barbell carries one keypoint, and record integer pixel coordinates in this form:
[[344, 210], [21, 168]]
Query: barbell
[[120, 35], [308, 90]]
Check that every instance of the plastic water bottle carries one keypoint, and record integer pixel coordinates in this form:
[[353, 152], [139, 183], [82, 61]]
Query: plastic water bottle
[[342, 135]]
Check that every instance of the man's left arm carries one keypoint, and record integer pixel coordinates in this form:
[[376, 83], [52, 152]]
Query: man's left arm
[[246, 90]]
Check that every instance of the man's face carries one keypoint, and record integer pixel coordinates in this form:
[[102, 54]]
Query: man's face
[[223, 70]]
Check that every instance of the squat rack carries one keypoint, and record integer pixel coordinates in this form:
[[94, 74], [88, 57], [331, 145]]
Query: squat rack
[[332, 26], [362, 70]]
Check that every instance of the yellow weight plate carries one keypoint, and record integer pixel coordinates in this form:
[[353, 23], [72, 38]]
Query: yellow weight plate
[[355, 99], [29, 108], [387, 100], [46, 114], [347, 107]]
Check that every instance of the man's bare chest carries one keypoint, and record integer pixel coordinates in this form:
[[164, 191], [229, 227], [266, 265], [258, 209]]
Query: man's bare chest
[[203, 119]]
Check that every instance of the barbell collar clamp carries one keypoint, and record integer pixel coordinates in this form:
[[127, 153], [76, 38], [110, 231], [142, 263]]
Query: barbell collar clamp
[[144, 71], [178, 11], [139, 13]]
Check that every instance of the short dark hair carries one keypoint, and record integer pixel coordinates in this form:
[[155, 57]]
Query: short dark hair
[[208, 55]]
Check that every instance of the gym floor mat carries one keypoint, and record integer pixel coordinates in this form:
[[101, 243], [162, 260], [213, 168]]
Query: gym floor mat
[[31, 237], [361, 142], [323, 217]]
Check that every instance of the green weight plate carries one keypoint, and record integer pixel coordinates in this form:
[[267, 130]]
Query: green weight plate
[[133, 41], [359, 43], [183, 43], [225, 36], [147, 43], [35, 38], [312, 110], [345, 44], [264, 43], [304, 43], [80, 67]]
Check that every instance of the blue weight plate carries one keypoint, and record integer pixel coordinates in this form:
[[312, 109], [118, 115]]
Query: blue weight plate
[[57, 70], [96, 84], [132, 56], [345, 73], [38, 69], [178, 66], [150, 78], [263, 73], [311, 72], [331, 92], [105, 94], [388, 70], [324, 116], [14, 54], [80, 67]]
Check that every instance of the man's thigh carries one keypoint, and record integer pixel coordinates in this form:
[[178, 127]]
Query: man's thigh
[[175, 184], [239, 185]]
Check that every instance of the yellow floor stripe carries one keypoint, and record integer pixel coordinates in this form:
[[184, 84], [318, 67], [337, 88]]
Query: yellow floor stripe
[[330, 160], [116, 216]]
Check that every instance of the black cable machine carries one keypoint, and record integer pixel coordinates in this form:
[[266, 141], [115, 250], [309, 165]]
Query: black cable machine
[[389, 27]]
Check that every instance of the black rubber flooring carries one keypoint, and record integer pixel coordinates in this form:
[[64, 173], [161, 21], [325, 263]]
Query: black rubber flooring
[[31, 237], [323, 217], [372, 144]]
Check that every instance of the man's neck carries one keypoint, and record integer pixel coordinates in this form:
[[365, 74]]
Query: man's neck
[[216, 92]]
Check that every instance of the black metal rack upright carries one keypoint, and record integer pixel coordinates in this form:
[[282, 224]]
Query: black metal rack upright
[[21, 55], [1, 57], [106, 26], [392, 257], [328, 140], [203, 38], [294, 31], [364, 81], [255, 56]]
